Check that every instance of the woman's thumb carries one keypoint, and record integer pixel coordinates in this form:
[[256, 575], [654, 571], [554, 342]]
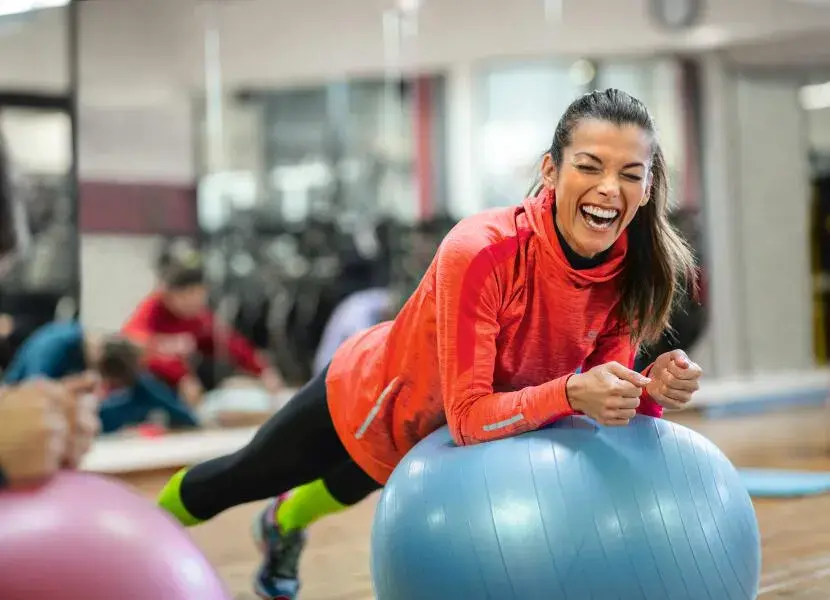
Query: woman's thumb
[[680, 358]]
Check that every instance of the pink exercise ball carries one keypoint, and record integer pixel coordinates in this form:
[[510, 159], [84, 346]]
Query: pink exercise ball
[[84, 537]]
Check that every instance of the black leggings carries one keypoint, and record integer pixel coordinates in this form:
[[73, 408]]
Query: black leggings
[[297, 445]]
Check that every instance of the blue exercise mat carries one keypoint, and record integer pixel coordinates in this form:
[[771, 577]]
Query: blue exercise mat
[[778, 483]]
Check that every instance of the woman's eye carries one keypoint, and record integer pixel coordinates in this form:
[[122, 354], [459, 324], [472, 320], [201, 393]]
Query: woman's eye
[[587, 168], [632, 177]]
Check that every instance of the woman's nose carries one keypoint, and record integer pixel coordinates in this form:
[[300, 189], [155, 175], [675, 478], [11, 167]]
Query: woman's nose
[[609, 186]]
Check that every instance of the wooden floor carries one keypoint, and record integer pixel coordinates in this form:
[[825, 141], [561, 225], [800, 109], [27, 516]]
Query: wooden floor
[[796, 533]]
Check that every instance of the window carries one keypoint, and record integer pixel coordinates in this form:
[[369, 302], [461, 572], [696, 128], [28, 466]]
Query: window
[[521, 106]]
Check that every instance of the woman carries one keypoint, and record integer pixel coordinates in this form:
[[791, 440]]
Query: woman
[[526, 315], [43, 427]]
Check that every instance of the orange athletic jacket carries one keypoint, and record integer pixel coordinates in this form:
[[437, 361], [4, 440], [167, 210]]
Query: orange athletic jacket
[[486, 343]]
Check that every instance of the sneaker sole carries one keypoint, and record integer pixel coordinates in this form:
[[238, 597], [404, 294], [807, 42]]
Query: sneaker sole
[[267, 597], [259, 540], [263, 596]]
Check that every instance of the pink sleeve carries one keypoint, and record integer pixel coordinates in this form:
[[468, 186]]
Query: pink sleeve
[[615, 345]]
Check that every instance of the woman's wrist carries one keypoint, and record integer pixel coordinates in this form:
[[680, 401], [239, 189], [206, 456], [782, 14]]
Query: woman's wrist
[[573, 390]]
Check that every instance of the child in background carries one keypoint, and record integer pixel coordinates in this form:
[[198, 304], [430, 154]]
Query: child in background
[[108, 366], [183, 342]]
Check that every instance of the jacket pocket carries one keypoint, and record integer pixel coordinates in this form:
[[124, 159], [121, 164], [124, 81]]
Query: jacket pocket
[[381, 403]]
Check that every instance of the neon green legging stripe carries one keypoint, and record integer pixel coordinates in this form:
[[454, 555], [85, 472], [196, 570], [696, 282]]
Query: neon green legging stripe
[[170, 500], [305, 505], [301, 508]]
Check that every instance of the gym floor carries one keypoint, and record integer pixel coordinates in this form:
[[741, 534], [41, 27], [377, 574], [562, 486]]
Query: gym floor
[[795, 533]]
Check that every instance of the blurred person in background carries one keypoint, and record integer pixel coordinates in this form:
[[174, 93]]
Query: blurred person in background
[[44, 426], [173, 252], [368, 307], [108, 367], [184, 344], [358, 311]]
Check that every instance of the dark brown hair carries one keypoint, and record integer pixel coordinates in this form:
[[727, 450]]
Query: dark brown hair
[[119, 361], [659, 265], [178, 277], [180, 266]]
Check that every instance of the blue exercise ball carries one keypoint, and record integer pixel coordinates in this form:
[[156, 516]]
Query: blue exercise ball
[[576, 511]]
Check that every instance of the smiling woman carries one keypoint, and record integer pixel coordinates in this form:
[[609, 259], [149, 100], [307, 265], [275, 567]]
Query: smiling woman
[[607, 173], [526, 315]]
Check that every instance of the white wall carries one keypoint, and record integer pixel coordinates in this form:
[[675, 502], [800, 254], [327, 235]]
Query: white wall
[[116, 275], [819, 129], [774, 223], [757, 184], [149, 144], [463, 183]]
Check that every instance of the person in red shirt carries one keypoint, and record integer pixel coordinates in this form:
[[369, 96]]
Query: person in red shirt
[[526, 315], [176, 328]]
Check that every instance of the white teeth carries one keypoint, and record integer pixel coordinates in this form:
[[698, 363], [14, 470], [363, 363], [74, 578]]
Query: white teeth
[[603, 213], [599, 219]]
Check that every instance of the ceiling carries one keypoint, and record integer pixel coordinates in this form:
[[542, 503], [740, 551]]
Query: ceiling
[[798, 51], [148, 48]]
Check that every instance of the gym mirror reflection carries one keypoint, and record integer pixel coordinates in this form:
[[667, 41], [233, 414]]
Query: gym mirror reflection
[[36, 135], [219, 195]]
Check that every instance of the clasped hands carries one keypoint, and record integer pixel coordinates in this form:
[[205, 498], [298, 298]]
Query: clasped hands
[[610, 393], [45, 426]]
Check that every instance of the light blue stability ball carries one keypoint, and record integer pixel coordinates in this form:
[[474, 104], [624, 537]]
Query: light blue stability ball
[[574, 512]]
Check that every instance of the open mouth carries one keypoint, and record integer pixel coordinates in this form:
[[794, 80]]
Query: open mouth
[[599, 219]]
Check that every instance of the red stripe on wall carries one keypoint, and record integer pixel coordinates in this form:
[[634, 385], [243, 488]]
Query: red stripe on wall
[[423, 145], [689, 93], [137, 208]]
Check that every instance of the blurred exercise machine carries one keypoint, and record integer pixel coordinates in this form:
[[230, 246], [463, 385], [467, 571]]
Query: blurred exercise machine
[[278, 283]]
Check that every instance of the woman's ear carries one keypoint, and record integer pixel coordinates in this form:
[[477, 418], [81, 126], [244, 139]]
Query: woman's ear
[[549, 172]]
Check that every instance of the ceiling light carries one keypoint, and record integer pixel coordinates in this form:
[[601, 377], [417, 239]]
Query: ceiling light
[[815, 96], [582, 72]]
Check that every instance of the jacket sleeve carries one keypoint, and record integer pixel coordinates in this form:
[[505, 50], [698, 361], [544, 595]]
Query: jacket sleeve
[[42, 356], [216, 335], [158, 394], [138, 327], [615, 345], [170, 369], [46, 362], [468, 292]]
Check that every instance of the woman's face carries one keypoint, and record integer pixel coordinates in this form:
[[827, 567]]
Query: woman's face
[[604, 178]]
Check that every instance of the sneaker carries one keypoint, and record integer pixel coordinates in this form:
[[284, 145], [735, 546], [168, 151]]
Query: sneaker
[[278, 576]]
